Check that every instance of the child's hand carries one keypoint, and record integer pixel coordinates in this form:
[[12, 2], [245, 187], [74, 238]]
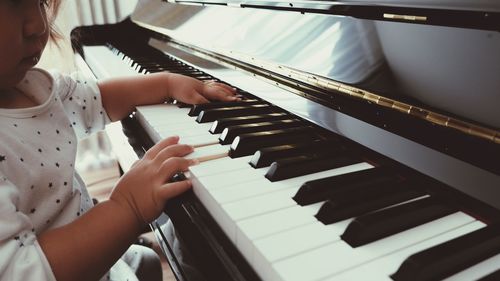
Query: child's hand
[[144, 190], [192, 91]]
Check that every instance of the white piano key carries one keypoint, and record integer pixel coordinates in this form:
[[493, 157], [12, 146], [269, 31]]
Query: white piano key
[[95, 55], [233, 177], [258, 205], [271, 201], [192, 140], [477, 271], [163, 121], [294, 241], [249, 230], [339, 256], [263, 186], [172, 116], [164, 114], [381, 268], [204, 187], [222, 165], [206, 151], [191, 125]]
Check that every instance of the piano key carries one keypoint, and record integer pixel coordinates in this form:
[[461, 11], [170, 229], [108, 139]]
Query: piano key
[[218, 166], [196, 141], [219, 125], [315, 191], [306, 164], [261, 186], [197, 108], [266, 156], [383, 223], [381, 268], [293, 241], [339, 256], [166, 120], [206, 187], [171, 121], [248, 144], [213, 114], [164, 114], [340, 208], [184, 131], [207, 152], [230, 133], [251, 229], [451, 257], [261, 204], [232, 176], [491, 277], [487, 270], [183, 127]]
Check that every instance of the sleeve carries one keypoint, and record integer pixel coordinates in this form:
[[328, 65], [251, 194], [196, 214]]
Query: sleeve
[[82, 102], [21, 257]]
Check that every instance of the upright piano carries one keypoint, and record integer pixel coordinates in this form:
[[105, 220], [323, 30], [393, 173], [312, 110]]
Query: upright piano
[[366, 145]]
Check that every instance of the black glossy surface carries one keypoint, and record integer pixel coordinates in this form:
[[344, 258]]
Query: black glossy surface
[[451, 257]]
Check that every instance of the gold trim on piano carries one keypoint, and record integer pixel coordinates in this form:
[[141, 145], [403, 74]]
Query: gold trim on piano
[[405, 17], [232, 59]]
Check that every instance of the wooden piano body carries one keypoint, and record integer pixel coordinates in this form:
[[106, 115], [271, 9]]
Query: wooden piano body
[[411, 87]]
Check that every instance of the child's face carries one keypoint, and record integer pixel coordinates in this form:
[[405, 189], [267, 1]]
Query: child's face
[[24, 32]]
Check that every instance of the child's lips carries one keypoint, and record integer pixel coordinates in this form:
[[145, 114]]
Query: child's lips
[[32, 60]]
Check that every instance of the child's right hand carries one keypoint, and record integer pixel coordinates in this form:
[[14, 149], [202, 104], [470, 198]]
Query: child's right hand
[[144, 190]]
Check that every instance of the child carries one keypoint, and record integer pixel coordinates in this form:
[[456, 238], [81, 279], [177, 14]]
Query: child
[[48, 227]]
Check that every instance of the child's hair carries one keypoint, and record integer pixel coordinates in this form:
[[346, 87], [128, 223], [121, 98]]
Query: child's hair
[[52, 8]]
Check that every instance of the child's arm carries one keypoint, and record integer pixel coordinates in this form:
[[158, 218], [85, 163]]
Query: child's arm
[[86, 248], [121, 95]]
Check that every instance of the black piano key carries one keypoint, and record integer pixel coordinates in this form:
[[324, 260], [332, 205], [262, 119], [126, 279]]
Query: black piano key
[[308, 164], [230, 133], [362, 201], [213, 114], [219, 125], [248, 144], [202, 77], [183, 105], [266, 156], [494, 276], [383, 223], [451, 257], [319, 190], [197, 108]]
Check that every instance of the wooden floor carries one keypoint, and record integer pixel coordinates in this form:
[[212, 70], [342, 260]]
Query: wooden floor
[[99, 183]]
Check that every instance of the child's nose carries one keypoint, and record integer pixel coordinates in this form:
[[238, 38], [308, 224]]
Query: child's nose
[[36, 21]]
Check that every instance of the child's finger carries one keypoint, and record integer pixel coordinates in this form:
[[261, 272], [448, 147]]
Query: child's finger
[[173, 165], [222, 85], [153, 151], [218, 93], [176, 150], [198, 99], [173, 189]]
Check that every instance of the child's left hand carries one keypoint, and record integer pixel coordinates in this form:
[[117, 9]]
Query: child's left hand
[[192, 91]]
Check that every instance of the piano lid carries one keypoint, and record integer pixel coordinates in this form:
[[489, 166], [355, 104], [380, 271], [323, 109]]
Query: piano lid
[[449, 70]]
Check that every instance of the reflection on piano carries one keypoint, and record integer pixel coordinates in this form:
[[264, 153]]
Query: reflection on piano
[[366, 145]]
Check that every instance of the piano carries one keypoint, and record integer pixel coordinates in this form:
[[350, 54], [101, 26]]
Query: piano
[[366, 145]]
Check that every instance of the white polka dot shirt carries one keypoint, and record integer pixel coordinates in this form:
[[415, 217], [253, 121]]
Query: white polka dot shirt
[[39, 188]]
